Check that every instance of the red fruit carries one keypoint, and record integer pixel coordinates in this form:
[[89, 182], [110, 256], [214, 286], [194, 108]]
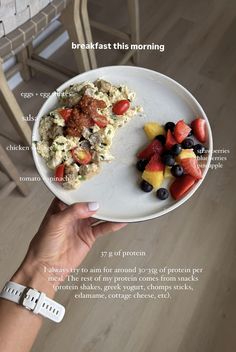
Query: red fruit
[[199, 129], [120, 107], [81, 156], [181, 131], [170, 140], [181, 186], [59, 173], [155, 164], [100, 120], [155, 147], [65, 113], [190, 166]]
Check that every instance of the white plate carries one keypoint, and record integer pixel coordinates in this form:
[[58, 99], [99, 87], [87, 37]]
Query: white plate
[[116, 188]]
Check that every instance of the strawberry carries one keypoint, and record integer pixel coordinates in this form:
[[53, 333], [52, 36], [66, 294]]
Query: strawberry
[[190, 166], [155, 147], [181, 186], [199, 129], [170, 140], [155, 164], [181, 131]]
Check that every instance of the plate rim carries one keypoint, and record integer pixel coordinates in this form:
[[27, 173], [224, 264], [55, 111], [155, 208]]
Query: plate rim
[[133, 219]]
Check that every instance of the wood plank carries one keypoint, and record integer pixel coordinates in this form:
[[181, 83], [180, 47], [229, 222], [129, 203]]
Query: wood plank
[[7, 189], [220, 64], [201, 232]]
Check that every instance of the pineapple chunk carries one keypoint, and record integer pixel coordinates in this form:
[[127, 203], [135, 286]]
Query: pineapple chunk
[[153, 129], [155, 178], [167, 172], [185, 154]]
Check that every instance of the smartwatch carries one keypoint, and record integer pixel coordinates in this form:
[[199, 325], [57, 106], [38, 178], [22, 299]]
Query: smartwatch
[[35, 301]]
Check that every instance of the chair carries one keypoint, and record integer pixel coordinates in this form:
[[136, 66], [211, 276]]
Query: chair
[[19, 26], [10, 170], [20, 23], [132, 37]]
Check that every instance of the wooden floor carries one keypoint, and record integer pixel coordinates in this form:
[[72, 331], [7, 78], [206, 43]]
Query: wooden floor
[[201, 54]]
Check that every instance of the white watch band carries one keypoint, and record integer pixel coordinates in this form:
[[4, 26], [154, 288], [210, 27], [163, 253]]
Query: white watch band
[[33, 300]]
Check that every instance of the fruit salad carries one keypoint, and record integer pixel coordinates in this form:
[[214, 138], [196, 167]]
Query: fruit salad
[[172, 154], [76, 137]]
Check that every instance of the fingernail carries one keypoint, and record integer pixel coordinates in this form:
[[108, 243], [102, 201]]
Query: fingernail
[[93, 206]]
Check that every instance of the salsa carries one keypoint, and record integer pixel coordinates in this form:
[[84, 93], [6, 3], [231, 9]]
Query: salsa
[[85, 114]]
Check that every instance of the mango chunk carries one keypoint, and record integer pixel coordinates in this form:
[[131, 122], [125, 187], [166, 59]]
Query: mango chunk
[[185, 153], [155, 178], [153, 129], [167, 172]]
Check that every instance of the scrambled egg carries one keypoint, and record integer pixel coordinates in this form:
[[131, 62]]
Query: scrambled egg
[[56, 147]]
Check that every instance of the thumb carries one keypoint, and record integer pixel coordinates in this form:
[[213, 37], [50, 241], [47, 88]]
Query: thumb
[[79, 211]]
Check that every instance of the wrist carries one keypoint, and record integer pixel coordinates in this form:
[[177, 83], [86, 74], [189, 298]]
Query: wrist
[[31, 274]]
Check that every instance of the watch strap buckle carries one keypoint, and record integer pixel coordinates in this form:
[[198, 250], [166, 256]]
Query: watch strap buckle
[[24, 299]]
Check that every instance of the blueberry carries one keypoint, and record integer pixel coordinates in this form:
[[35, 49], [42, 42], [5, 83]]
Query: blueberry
[[145, 186], [170, 126], [168, 159], [176, 149], [188, 143], [177, 170], [199, 149], [161, 139], [162, 193], [141, 164]]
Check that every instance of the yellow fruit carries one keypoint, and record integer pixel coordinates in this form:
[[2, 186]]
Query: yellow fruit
[[153, 129], [167, 172], [155, 178], [185, 153]]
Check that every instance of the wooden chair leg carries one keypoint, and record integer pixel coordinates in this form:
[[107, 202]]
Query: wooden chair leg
[[12, 109], [71, 18], [133, 9], [22, 57], [30, 52], [87, 32], [13, 174]]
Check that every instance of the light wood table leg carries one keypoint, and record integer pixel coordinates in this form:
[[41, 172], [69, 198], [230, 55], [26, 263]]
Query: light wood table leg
[[71, 18], [133, 9], [13, 174], [12, 109], [87, 32]]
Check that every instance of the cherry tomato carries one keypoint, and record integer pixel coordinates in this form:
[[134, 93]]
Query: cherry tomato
[[59, 173], [65, 113], [120, 107], [81, 156], [100, 120]]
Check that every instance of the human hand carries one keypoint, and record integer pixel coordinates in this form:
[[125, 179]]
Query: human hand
[[63, 240]]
